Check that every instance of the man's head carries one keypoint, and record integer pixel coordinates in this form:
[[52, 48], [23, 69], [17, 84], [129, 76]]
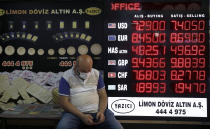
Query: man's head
[[83, 66]]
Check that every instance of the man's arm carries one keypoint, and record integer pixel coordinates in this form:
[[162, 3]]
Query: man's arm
[[102, 94], [68, 106], [102, 105], [102, 100]]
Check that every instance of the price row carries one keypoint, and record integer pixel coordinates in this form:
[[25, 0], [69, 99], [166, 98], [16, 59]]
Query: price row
[[178, 88], [174, 62], [138, 38], [176, 75], [175, 50], [154, 25]]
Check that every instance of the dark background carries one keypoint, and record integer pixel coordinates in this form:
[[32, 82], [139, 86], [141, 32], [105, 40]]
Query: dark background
[[136, 125]]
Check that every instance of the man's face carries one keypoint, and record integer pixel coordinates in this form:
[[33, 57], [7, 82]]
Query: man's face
[[85, 68]]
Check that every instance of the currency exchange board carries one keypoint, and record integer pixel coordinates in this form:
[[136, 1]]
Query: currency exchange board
[[154, 55]]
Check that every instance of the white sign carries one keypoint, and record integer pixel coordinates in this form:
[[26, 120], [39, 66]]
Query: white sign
[[158, 106]]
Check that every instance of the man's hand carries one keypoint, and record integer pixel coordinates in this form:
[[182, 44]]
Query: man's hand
[[101, 118], [87, 119]]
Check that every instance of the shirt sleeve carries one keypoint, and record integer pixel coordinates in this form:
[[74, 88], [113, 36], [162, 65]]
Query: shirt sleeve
[[100, 82], [64, 88]]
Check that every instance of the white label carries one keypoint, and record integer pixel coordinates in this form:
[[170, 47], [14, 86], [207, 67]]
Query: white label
[[111, 87], [158, 106]]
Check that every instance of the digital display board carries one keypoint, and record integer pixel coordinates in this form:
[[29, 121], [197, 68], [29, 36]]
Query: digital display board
[[159, 59], [154, 55]]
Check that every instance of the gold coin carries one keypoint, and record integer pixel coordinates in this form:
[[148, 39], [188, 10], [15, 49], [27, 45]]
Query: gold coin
[[40, 52], [71, 50], [62, 51], [31, 51], [1, 49], [21, 51], [96, 49], [51, 52], [83, 49], [9, 50]]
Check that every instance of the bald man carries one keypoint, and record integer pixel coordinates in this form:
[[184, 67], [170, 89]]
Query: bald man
[[83, 98]]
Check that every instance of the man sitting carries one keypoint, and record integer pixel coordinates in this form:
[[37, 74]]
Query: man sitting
[[83, 98]]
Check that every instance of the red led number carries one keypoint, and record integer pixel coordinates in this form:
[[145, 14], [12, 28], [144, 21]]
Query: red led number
[[188, 25], [188, 50], [190, 88], [148, 38], [181, 75], [150, 87], [149, 50], [149, 25], [149, 74], [188, 63], [148, 62], [187, 37]]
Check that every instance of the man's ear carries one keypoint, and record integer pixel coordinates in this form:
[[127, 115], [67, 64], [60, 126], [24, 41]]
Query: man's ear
[[74, 66]]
